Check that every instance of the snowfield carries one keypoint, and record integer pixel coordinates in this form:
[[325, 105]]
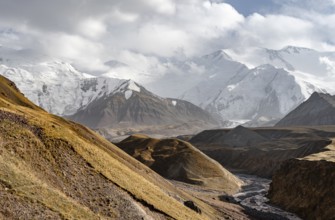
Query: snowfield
[[252, 85]]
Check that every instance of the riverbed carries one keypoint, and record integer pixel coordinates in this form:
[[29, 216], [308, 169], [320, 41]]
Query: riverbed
[[253, 198]]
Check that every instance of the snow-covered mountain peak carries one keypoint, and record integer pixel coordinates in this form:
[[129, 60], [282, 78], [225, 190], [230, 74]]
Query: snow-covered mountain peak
[[127, 87], [238, 85], [264, 92], [123, 86], [218, 55], [131, 85], [265, 67], [296, 50], [291, 58], [58, 87]]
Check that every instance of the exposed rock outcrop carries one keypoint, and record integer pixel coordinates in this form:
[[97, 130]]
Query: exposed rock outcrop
[[192, 206], [306, 186]]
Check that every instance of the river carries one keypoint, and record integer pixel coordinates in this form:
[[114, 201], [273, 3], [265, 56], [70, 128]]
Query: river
[[253, 198]]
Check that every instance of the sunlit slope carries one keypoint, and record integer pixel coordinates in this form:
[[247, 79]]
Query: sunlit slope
[[53, 168], [179, 160]]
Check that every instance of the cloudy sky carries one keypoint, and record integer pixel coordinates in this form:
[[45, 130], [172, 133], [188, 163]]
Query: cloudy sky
[[90, 32]]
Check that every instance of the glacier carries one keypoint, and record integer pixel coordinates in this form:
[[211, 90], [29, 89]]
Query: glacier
[[251, 86]]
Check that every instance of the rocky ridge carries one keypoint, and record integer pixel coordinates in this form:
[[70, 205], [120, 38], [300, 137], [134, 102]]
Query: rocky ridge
[[305, 185], [131, 105], [319, 109]]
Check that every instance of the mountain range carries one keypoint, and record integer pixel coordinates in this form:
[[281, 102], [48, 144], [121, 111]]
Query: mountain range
[[131, 105], [130, 109], [270, 84], [250, 86], [100, 102]]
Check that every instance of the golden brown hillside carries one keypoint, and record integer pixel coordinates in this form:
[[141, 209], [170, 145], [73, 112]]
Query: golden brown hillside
[[10, 93], [179, 160], [51, 168]]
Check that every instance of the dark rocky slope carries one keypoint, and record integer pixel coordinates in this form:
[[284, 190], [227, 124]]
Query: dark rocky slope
[[131, 108], [319, 109], [306, 186], [261, 151]]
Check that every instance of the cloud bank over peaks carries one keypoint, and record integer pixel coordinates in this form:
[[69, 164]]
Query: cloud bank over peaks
[[89, 33]]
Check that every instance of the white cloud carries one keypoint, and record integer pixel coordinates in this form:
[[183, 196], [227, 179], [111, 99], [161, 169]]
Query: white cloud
[[275, 31], [208, 20], [162, 6], [92, 28], [162, 40], [141, 62], [118, 17], [90, 32], [81, 51], [329, 64], [190, 29]]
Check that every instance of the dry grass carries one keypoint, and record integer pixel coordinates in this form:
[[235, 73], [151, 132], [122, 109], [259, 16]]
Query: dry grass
[[23, 182], [328, 154], [179, 160], [31, 139]]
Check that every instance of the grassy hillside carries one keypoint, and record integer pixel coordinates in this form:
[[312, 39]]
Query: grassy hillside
[[179, 160], [53, 168]]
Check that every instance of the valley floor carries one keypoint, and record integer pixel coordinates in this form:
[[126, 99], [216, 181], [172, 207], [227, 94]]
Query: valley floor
[[250, 203], [253, 197]]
